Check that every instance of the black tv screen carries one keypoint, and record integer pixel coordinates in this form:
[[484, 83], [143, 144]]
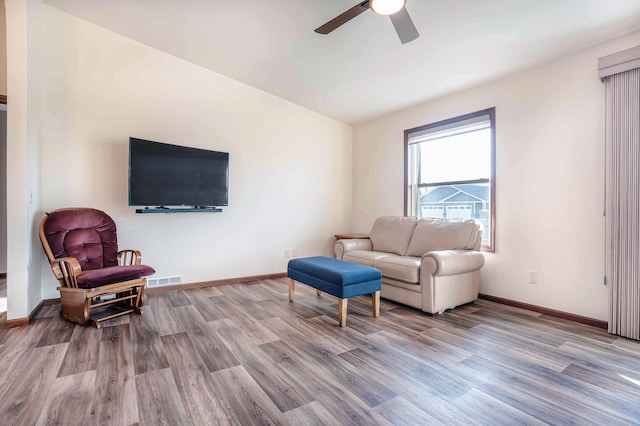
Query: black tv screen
[[161, 174]]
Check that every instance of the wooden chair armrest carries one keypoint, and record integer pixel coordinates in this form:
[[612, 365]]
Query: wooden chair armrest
[[129, 257], [66, 270]]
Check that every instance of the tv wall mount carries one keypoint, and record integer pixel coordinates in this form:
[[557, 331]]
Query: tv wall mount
[[195, 209]]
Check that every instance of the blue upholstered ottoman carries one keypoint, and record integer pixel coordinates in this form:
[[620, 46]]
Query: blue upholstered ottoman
[[338, 278]]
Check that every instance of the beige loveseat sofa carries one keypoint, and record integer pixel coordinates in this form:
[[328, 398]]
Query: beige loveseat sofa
[[430, 264]]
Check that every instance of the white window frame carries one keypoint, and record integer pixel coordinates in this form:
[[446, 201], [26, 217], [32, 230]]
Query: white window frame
[[411, 188]]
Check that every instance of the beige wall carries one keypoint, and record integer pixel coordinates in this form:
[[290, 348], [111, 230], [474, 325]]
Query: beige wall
[[3, 50], [3, 191], [290, 171], [290, 168], [25, 74], [3, 141], [550, 178]]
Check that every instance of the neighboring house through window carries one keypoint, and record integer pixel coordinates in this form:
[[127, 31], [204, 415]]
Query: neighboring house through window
[[450, 170]]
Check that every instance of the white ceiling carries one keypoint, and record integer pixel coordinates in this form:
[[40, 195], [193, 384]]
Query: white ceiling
[[361, 70]]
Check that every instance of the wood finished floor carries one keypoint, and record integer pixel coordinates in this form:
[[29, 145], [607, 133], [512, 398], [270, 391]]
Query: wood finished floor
[[242, 354]]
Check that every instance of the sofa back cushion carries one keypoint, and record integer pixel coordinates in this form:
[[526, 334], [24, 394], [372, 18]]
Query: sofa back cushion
[[432, 234], [391, 234]]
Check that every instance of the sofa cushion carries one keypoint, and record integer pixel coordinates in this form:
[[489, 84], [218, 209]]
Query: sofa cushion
[[401, 268], [363, 257], [442, 234], [391, 234]]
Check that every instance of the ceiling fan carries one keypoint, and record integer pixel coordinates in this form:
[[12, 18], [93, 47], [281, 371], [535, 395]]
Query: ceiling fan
[[393, 8]]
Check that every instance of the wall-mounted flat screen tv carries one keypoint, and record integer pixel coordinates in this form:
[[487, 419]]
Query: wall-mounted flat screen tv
[[162, 174]]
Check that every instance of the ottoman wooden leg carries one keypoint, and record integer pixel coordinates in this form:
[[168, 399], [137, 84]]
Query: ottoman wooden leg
[[292, 284], [375, 303], [318, 292], [342, 312]]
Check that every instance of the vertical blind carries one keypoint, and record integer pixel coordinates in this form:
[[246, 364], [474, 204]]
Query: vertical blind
[[623, 197]]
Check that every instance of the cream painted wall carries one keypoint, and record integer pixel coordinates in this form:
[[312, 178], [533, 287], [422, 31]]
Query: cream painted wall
[[24, 75], [290, 168], [3, 191], [3, 49], [550, 178], [3, 141]]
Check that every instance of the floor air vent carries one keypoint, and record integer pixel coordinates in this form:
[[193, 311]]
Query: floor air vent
[[164, 281]]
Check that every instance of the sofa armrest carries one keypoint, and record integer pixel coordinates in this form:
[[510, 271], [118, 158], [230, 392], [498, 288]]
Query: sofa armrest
[[454, 262], [343, 246]]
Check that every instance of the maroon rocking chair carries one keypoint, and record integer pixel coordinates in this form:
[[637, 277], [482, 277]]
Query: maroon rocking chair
[[97, 282]]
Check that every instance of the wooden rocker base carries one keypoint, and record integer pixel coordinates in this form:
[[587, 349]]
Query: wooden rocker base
[[101, 303]]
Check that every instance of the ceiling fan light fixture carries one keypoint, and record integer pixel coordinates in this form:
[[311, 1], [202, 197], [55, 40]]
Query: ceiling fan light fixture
[[386, 7]]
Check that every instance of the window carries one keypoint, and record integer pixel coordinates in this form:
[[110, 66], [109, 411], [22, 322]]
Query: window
[[450, 170]]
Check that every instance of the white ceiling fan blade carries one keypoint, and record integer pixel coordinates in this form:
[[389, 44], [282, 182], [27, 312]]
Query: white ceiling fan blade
[[404, 26]]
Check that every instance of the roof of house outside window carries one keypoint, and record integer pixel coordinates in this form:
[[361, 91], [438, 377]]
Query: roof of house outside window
[[457, 193]]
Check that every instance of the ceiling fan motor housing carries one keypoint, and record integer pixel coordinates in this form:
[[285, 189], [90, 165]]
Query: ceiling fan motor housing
[[386, 7]]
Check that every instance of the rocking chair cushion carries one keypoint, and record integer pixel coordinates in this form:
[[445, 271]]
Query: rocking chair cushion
[[113, 274], [89, 235]]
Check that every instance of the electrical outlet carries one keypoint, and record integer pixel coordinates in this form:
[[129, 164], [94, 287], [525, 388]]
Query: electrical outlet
[[533, 277], [294, 252], [287, 254]]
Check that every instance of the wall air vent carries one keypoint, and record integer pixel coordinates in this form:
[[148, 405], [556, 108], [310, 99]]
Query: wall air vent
[[164, 281]]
